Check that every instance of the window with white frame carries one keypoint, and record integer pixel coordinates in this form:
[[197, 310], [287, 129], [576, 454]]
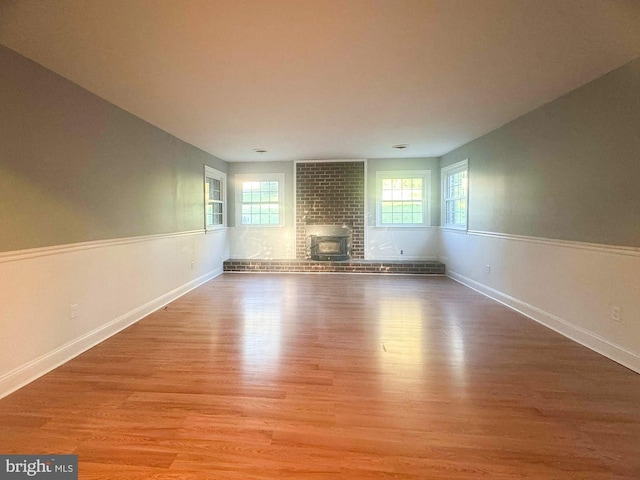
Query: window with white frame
[[403, 198], [214, 198], [259, 199], [455, 195]]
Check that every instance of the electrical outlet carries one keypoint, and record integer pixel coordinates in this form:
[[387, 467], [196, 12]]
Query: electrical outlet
[[73, 311], [401, 252], [192, 264], [487, 269], [615, 314]]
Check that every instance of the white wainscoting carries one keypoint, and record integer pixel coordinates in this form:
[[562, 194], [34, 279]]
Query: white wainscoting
[[570, 287], [113, 283], [265, 243], [402, 243]]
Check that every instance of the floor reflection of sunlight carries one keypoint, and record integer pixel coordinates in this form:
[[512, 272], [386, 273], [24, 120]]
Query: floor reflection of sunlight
[[262, 330], [414, 349], [457, 356], [401, 331]]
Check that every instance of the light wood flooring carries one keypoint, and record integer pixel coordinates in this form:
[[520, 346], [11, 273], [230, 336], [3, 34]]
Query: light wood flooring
[[266, 376]]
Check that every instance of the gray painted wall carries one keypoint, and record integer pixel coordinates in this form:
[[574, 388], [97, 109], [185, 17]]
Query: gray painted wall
[[76, 168], [569, 170]]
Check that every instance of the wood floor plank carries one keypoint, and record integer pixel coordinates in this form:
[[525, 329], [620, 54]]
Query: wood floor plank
[[276, 376]]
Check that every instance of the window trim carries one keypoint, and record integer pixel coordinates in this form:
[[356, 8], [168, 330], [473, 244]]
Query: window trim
[[259, 177], [445, 173], [210, 172], [426, 203]]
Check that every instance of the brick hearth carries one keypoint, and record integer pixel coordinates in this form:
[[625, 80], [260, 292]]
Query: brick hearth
[[352, 266]]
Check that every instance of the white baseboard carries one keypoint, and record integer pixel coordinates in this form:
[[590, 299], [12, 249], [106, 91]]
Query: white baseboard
[[24, 374], [563, 327]]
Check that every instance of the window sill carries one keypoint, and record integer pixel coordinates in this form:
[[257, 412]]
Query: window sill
[[259, 226], [454, 229], [215, 229]]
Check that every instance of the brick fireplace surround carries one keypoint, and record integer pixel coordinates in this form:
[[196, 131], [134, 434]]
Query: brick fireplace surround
[[332, 193]]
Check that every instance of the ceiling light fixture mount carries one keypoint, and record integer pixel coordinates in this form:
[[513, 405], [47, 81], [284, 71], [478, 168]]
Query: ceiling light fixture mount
[[400, 146]]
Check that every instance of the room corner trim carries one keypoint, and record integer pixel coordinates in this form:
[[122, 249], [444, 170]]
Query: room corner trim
[[15, 255], [30, 371], [597, 247], [584, 337]]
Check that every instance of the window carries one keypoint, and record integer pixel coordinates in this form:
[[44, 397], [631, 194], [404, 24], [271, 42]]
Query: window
[[403, 198], [215, 198], [455, 193], [260, 199]]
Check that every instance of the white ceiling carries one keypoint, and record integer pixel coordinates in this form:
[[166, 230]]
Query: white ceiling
[[323, 79]]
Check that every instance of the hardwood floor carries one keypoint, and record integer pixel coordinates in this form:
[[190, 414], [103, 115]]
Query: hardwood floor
[[261, 376]]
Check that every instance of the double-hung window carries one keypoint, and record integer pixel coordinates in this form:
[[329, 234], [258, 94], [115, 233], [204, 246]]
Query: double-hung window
[[403, 199], [260, 199], [455, 195], [214, 198]]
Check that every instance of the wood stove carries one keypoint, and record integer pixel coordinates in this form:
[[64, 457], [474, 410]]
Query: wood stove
[[328, 243], [329, 248]]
